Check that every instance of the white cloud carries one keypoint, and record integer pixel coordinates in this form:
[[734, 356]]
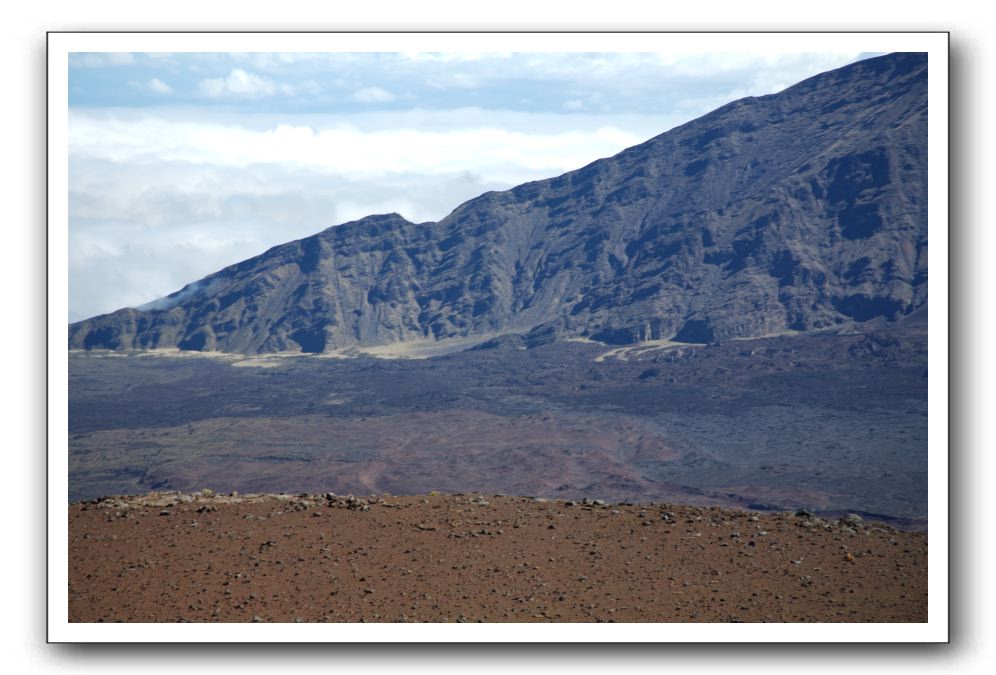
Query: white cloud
[[158, 203], [139, 233], [346, 148], [158, 86], [373, 95], [239, 83]]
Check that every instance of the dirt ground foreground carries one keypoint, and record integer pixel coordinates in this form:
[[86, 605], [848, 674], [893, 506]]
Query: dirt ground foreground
[[168, 557]]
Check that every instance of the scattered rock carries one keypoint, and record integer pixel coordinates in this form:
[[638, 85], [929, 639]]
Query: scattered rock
[[665, 573]]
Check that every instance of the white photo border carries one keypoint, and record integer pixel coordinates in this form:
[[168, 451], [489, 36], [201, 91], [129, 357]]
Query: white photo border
[[61, 44]]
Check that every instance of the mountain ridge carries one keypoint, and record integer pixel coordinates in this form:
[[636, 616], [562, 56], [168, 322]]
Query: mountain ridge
[[801, 210]]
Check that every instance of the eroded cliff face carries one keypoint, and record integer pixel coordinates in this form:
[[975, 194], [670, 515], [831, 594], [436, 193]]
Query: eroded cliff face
[[796, 211]]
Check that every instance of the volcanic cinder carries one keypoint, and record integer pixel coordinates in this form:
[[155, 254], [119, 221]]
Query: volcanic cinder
[[466, 558]]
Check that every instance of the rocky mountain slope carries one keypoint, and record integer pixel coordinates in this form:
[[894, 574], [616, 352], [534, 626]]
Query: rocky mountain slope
[[796, 211]]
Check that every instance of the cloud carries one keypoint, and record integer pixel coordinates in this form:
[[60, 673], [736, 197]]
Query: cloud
[[373, 95], [239, 83], [343, 147], [156, 86], [140, 234], [158, 203]]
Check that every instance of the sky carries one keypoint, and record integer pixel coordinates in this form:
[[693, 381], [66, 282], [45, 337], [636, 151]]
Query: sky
[[183, 163]]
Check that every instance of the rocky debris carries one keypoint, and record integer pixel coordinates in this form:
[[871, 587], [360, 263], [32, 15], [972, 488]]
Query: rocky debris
[[210, 503], [350, 503], [437, 559]]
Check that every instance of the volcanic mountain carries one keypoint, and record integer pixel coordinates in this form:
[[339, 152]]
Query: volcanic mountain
[[798, 211]]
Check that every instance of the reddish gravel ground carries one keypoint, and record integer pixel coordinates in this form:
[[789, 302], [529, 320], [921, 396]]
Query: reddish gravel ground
[[169, 557]]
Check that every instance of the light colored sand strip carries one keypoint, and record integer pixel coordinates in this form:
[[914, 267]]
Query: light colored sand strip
[[643, 348]]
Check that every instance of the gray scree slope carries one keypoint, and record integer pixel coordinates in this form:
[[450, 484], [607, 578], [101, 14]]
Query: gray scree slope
[[800, 210]]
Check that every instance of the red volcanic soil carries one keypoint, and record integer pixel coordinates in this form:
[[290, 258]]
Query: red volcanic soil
[[169, 557]]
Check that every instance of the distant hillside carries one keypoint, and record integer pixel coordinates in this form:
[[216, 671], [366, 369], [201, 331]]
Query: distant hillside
[[800, 210]]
